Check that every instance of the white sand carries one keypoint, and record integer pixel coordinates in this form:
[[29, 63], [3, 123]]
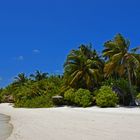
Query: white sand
[[67, 123]]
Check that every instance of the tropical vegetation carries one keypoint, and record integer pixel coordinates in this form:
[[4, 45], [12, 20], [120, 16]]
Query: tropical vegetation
[[106, 97], [80, 97], [89, 78]]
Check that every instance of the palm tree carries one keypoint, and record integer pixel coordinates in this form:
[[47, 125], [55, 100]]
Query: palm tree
[[120, 61], [38, 76], [20, 79], [83, 68], [136, 73]]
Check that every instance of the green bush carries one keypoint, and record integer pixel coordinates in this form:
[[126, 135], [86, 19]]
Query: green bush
[[32, 93], [0, 98], [36, 94], [1, 95], [137, 101], [6, 94], [69, 96], [83, 98], [106, 97], [125, 88], [37, 102], [138, 96], [80, 97]]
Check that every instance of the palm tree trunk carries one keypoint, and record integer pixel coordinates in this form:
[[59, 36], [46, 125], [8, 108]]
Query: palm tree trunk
[[130, 86]]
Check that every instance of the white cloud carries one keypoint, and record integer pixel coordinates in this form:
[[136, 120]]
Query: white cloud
[[36, 51], [20, 58]]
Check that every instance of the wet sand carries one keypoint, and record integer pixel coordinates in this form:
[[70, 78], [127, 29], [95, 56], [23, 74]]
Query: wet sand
[[5, 127]]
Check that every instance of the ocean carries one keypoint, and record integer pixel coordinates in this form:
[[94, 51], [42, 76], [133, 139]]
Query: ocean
[[5, 127]]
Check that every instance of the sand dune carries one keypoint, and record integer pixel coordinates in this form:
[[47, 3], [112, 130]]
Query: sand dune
[[67, 123]]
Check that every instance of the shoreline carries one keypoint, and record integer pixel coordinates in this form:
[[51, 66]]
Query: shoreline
[[66, 123], [12, 127], [6, 127]]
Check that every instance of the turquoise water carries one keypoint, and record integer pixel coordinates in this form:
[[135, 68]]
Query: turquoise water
[[5, 127]]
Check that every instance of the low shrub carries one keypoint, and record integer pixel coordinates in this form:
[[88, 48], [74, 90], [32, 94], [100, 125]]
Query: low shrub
[[0, 98], [36, 94], [138, 96], [0, 95], [137, 101], [83, 98], [37, 102], [69, 96], [80, 97], [6, 95], [106, 97], [123, 85]]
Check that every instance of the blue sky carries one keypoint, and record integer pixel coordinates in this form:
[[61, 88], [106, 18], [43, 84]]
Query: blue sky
[[39, 34]]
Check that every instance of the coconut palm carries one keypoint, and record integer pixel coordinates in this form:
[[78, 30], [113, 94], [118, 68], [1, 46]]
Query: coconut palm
[[120, 60], [38, 76], [83, 68], [20, 79], [136, 73]]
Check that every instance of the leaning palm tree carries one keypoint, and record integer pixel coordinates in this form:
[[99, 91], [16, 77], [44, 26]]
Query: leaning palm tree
[[120, 60], [38, 76], [83, 68], [20, 79]]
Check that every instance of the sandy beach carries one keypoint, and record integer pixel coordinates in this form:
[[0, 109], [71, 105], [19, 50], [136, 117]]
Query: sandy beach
[[66, 123]]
